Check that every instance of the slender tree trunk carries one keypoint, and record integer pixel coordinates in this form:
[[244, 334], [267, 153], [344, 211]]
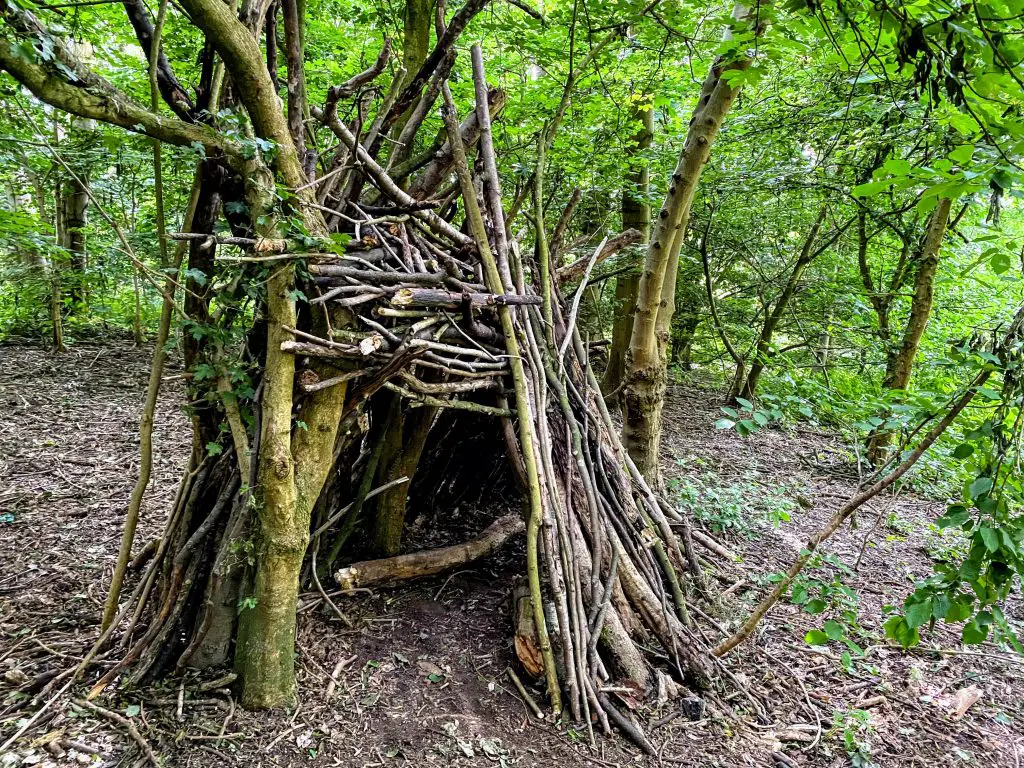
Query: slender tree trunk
[[898, 374], [73, 209], [625, 303], [772, 319], [646, 376], [398, 460], [900, 365], [636, 214], [683, 331]]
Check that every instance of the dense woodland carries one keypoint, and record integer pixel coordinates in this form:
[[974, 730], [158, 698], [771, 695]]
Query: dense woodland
[[429, 250]]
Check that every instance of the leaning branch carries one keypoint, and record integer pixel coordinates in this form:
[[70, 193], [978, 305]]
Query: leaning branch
[[67, 84], [613, 246], [844, 512]]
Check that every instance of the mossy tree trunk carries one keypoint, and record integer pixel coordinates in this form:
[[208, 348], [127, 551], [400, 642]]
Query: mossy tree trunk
[[636, 214]]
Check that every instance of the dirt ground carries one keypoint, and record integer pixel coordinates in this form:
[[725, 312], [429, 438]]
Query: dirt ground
[[416, 676]]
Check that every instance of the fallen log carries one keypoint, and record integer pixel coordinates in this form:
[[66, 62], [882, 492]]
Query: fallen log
[[392, 570]]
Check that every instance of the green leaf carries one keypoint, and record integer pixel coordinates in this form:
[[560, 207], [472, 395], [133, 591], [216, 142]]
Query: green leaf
[[214, 449], [962, 154], [974, 632], [918, 614], [990, 538], [724, 423], [940, 606], [834, 630], [896, 628], [133, 710], [871, 188], [1000, 262], [815, 606], [956, 515], [963, 450], [816, 637], [979, 487], [897, 167], [959, 610], [196, 275]]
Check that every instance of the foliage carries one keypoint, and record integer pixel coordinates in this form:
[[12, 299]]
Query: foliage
[[740, 506]]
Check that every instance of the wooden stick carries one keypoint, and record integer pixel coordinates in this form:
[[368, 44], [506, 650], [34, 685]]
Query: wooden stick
[[392, 570], [124, 723]]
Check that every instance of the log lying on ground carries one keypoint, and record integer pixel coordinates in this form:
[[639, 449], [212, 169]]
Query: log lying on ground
[[416, 565]]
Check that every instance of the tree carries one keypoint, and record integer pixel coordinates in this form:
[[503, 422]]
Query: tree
[[636, 214], [643, 393]]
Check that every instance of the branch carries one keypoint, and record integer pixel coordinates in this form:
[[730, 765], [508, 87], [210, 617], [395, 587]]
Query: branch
[[429, 562], [712, 304], [173, 92], [250, 80], [368, 75], [65, 83], [612, 247], [437, 58]]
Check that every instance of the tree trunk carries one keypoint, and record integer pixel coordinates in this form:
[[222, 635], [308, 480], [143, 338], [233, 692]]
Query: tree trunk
[[773, 317], [636, 214], [646, 376], [73, 208], [626, 287], [900, 365], [404, 439]]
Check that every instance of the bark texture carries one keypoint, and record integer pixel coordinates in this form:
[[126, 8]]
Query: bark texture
[[900, 364], [643, 393]]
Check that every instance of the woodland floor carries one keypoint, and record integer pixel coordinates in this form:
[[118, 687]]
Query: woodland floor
[[419, 673]]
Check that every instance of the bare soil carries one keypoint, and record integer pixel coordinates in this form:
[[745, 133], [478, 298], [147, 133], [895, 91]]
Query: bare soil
[[416, 676]]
